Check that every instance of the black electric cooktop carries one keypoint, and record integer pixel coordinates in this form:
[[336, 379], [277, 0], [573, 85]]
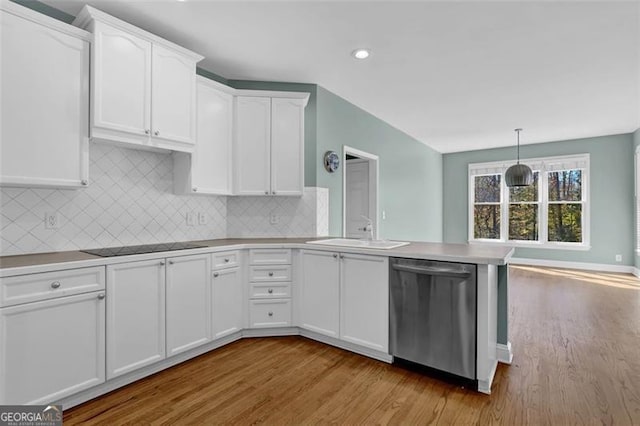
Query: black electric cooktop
[[147, 248]]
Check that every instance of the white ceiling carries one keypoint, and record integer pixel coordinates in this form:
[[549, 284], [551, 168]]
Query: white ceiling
[[457, 76]]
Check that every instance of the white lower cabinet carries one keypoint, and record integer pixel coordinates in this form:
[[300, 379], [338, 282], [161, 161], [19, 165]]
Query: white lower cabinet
[[135, 315], [320, 292], [270, 313], [227, 302], [51, 349], [188, 302], [346, 296], [270, 276]]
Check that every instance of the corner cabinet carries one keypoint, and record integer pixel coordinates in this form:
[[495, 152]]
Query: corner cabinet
[[143, 87], [269, 144], [45, 100]]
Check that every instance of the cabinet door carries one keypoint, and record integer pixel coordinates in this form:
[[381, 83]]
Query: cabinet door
[[227, 302], [188, 302], [252, 146], [320, 293], [135, 316], [121, 84], [211, 161], [287, 146], [364, 297], [51, 349], [44, 107], [174, 99]]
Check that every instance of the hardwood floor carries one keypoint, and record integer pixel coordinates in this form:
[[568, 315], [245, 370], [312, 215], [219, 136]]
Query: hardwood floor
[[576, 339]]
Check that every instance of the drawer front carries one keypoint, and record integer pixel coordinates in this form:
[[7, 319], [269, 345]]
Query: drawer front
[[50, 285], [270, 313], [270, 273], [226, 259], [270, 290], [269, 256]]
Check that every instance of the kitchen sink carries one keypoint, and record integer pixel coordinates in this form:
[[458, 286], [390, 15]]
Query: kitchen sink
[[370, 244]]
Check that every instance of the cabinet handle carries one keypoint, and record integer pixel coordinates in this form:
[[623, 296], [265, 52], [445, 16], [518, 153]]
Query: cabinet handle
[[270, 274], [55, 284], [195, 189], [270, 291], [215, 274], [101, 296], [157, 133], [147, 131], [270, 313], [335, 255], [161, 263], [84, 182], [226, 260]]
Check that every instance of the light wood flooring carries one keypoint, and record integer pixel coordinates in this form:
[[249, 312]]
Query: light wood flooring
[[576, 339]]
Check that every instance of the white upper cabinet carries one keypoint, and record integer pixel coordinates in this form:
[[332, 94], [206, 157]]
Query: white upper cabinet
[[143, 87], [269, 144], [44, 110], [208, 169]]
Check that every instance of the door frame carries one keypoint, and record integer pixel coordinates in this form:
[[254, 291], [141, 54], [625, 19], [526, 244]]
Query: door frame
[[374, 183]]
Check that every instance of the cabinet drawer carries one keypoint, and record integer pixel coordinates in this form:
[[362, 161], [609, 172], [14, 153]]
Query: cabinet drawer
[[270, 273], [269, 313], [269, 256], [50, 285], [270, 290], [226, 259]]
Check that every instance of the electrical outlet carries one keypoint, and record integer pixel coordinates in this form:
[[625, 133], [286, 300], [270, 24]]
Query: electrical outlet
[[384, 214], [51, 220], [191, 219], [274, 219], [618, 258], [202, 218]]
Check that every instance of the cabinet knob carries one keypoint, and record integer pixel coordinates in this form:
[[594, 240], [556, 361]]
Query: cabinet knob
[[161, 263], [101, 296], [270, 274], [55, 284], [335, 255], [215, 274], [273, 192], [270, 313], [270, 291], [266, 192], [195, 189], [226, 260], [157, 133], [147, 131], [171, 262], [342, 256], [84, 182]]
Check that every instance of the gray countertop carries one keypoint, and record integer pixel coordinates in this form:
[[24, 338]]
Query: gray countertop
[[470, 253]]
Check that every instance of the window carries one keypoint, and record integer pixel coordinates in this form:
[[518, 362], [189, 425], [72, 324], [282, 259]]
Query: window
[[552, 212]]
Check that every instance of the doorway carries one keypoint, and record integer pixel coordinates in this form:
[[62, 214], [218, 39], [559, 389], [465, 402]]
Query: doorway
[[359, 192]]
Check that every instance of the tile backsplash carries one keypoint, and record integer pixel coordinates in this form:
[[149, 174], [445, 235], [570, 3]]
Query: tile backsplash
[[130, 201]]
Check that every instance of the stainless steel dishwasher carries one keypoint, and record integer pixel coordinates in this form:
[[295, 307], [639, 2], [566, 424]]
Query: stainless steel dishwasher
[[433, 314]]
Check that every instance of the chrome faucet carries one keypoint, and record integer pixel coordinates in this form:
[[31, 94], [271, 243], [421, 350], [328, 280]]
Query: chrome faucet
[[368, 228]]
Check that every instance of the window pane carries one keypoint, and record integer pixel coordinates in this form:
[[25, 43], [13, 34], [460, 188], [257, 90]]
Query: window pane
[[487, 189], [565, 185], [523, 222], [486, 222], [525, 193], [565, 222]]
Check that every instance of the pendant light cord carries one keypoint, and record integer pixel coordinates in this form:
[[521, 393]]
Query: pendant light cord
[[518, 149]]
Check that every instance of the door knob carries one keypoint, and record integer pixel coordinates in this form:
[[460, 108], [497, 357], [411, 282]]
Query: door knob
[[101, 296]]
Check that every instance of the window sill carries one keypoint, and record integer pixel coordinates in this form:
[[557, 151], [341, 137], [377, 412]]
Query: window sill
[[534, 245]]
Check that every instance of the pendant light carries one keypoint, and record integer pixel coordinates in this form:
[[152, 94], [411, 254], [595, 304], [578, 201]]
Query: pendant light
[[518, 174]]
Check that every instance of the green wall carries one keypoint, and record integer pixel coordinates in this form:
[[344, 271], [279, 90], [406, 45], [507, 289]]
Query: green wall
[[410, 189], [636, 144], [611, 195]]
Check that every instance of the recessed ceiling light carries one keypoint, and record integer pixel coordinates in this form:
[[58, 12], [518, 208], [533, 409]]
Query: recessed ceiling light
[[361, 53]]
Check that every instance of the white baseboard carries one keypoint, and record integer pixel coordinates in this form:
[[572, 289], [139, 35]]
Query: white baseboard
[[636, 272], [602, 267], [504, 353]]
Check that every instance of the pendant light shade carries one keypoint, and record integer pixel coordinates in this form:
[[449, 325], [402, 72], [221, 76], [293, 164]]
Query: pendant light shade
[[518, 174]]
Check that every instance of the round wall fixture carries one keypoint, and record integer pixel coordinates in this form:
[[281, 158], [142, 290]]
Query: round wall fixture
[[331, 161]]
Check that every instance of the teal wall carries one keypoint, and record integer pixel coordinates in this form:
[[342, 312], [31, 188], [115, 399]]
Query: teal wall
[[611, 195], [410, 172], [636, 144], [46, 10]]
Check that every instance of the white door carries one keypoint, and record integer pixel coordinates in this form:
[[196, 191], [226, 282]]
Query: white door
[[44, 107], [227, 302], [121, 82], [188, 302], [51, 349], [252, 146], [287, 146], [135, 315], [357, 197], [174, 99], [211, 161], [320, 292], [364, 301]]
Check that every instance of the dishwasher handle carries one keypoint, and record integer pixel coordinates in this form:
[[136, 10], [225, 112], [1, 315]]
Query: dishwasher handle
[[431, 271]]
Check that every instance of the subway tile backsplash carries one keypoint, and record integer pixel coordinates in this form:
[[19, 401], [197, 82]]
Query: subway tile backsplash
[[130, 201]]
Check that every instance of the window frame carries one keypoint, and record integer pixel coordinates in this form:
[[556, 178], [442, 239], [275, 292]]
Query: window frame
[[543, 165]]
